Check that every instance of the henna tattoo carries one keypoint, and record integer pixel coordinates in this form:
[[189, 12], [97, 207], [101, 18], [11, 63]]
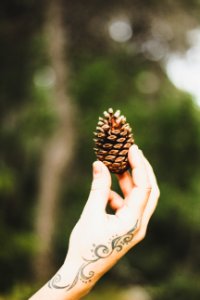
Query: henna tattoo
[[99, 252]]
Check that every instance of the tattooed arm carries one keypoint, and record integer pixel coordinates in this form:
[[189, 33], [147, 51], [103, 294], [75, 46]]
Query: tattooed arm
[[100, 239]]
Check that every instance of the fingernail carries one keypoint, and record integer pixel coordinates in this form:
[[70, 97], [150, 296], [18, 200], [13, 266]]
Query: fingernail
[[97, 168]]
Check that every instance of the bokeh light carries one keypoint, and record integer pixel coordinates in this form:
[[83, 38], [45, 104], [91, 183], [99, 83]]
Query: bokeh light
[[120, 30]]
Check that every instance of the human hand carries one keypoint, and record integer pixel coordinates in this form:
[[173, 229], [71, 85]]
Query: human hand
[[100, 239]]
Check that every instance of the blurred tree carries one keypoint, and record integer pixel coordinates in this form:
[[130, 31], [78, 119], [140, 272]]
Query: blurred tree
[[18, 27], [58, 150]]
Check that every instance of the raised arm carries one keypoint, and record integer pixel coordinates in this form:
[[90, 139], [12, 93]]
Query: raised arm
[[99, 239]]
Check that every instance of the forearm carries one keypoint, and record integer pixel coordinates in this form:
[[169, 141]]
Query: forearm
[[65, 284]]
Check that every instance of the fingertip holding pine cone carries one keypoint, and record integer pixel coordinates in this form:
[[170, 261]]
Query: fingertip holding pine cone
[[113, 138]]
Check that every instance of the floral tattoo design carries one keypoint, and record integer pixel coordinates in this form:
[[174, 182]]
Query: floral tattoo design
[[99, 252]]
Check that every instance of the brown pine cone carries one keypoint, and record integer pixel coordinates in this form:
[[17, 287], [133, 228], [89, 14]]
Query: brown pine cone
[[113, 139]]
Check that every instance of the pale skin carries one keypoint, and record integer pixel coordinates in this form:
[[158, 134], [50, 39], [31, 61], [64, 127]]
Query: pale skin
[[99, 239]]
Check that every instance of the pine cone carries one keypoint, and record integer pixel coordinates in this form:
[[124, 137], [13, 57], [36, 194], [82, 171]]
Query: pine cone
[[113, 139]]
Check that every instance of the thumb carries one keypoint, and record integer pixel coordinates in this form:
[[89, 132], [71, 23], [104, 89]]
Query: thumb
[[100, 188]]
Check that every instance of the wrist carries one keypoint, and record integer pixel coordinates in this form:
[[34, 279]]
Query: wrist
[[69, 278], [64, 285]]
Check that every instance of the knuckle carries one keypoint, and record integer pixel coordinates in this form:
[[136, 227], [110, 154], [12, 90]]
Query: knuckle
[[148, 190], [156, 192]]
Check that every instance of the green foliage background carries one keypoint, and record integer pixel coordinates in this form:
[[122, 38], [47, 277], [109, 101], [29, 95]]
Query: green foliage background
[[166, 125]]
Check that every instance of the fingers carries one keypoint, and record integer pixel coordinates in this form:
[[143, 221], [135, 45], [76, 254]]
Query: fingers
[[115, 201], [139, 174], [137, 197], [100, 188], [125, 183], [153, 198], [150, 205], [140, 178]]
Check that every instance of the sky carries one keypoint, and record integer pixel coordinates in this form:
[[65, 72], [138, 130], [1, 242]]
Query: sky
[[184, 69]]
